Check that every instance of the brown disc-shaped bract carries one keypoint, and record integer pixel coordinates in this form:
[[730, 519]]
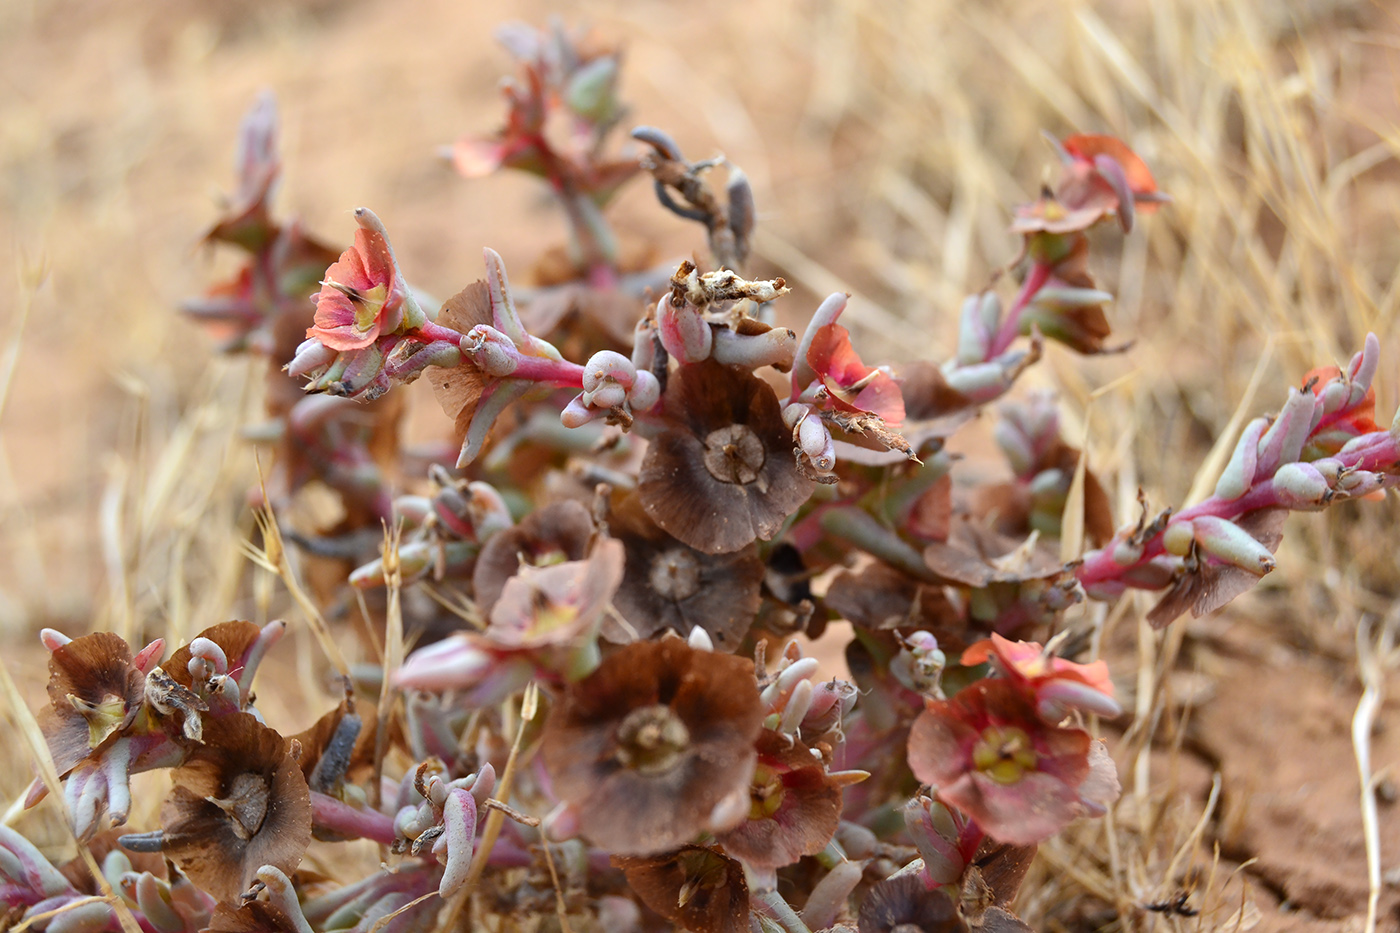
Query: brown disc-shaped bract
[[694, 887], [239, 802], [794, 806], [904, 905], [667, 584], [556, 533], [724, 473], [94, 692], [235, 638], [646, 746]]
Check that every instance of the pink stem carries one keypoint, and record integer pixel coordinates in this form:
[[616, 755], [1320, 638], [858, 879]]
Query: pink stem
[[1381, 455], [329, 813], [1036, 278]]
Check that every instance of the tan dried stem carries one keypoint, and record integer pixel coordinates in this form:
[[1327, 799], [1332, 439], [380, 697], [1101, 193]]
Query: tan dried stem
[[272, 557]]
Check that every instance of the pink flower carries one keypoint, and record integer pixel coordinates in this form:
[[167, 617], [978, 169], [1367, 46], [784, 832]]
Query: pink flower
[[1100, 177], [987, 752], [850, 384], [1057, 684], [363, 294]]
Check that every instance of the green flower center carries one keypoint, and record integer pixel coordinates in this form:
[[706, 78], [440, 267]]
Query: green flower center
[[765, 794], [1004, 754]]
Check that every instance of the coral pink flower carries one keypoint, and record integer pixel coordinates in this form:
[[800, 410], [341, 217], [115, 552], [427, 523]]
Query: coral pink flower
[[987, 752], [1058, 684], [363, 294], [1355, 419], [1101, 177], [851, 385]]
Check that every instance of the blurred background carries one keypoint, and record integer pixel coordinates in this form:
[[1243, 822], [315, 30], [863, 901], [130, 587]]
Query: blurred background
[[886, 142]]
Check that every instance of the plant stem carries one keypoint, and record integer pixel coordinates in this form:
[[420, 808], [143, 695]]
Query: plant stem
[[1036, 278], [338, 817]]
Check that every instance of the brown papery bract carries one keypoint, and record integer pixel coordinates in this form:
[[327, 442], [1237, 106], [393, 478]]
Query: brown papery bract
[[724, 473], [651, 742], [94, 692], [240, 802], [695, 887], [459, 389], [668, 584]]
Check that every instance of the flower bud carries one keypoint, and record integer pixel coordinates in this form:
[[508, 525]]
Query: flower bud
[[1283, 441], [608, 366], [1334, 395], [491, 351], [606, 397], [1126, 553], [1301, 486], [577, 413], [814, 440], [776, 348], [1238, 474], [1358, 483], [1178, 537], [645, 392], [311, 355], [685, 333], [1226, 541]]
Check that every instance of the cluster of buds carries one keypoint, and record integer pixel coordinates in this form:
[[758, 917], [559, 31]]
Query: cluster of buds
[[560, 111], [1322, 447], [248, 311], [443, 532], [38, 894], [444, 822]]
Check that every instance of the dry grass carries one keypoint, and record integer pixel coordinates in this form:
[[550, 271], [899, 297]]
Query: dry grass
[[885, 142]]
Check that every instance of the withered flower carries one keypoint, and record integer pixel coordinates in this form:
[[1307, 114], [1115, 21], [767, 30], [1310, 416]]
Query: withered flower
[[987, 752], [668, 584], [794, 806], [1013, 584], [904, 903], [239, 803], [235, 639], [556, 606], [95, 691], [459, 389], [724, 473], [557, 533], [694, 887], [880, 597], [1203, 585], [655, 746]]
